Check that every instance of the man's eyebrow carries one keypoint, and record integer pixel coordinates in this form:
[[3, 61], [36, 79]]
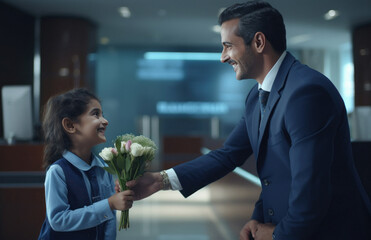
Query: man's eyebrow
[[227, 43]]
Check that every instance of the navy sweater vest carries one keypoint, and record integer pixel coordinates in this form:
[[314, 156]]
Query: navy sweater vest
[[78, 197]]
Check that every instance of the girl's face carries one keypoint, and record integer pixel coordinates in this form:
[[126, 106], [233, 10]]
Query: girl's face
[[91, 125]]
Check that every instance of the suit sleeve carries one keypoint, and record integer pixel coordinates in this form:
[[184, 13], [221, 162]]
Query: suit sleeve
[[206, 169], [258, 211], [311, 119]]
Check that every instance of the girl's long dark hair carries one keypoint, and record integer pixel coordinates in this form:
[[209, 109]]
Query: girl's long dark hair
[[70, 105]]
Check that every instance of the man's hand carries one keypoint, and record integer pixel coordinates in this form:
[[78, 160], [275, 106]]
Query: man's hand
[[265, 231], [145, 186], [249, 230]]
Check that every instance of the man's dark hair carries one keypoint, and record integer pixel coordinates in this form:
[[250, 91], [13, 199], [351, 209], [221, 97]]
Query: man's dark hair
[[257, 16]]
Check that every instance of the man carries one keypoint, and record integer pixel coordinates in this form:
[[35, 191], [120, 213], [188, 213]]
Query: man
[[295, 124]]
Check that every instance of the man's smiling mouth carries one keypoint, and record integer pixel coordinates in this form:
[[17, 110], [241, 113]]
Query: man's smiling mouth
[[233, 64]]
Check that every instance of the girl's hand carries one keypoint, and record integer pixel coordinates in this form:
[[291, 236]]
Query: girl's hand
[[122, 200], [117, 186]]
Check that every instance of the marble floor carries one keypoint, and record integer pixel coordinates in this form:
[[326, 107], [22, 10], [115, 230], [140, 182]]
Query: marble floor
[[215, 212]]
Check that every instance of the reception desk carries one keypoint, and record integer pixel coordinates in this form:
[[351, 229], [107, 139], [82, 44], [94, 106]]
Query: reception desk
[[22, 202]]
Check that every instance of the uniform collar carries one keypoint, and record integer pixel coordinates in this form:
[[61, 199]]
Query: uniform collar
[[81, 164]]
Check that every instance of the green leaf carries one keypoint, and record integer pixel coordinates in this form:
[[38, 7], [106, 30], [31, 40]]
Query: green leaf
[[118, 145], [120, 162], [110, 170], [110, 164], [123, 177], [127, 163], [142, 169]]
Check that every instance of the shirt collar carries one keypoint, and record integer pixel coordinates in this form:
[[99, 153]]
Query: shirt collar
[[271, 76], [81, 164]]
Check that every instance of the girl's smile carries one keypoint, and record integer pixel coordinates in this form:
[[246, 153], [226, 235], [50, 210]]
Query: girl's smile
[[91, 125]]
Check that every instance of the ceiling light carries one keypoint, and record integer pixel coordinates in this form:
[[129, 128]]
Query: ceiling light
[[195, 56], [300, 39], [104, 40], [331, 14], [125, 12], [216, 28]]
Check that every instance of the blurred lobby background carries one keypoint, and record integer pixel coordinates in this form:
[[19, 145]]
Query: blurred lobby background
[[155, 66]]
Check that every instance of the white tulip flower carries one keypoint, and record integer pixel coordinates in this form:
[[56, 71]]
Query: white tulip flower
[[136, 149], [106, 154]]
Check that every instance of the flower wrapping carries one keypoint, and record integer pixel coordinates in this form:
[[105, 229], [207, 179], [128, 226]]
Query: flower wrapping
[[128, 159]]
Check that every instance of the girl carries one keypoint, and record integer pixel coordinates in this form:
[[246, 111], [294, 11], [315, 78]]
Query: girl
[[79, 194]]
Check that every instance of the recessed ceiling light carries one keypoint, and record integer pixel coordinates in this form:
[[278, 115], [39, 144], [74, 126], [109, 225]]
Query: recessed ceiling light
[[216, 28], [331, 14], [124, 12]]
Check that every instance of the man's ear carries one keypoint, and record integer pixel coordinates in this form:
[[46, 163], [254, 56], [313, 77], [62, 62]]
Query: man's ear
[[68, 125], [259, 42]]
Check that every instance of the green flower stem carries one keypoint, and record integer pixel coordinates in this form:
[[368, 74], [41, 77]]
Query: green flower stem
[[136, 171], [124, 220]]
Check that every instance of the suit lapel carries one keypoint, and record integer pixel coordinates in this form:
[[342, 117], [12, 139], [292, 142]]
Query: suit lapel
[[274, 96]]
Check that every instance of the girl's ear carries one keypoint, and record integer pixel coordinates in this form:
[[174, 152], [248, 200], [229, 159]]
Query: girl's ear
[[68, 125]]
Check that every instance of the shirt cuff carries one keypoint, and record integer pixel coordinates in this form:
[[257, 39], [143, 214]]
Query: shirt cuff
[[103, 210], [173, 179]]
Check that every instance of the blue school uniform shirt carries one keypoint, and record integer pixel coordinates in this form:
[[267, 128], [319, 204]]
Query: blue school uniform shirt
[[60, 217]]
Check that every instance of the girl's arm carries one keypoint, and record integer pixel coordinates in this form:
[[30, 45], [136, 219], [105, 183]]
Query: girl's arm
[[110, 232], [60, 216]]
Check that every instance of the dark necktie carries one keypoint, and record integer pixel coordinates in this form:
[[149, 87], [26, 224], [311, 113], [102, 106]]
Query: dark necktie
[[95, 196], [263, 98]]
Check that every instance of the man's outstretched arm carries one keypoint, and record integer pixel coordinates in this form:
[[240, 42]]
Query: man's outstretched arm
[[152, 182]]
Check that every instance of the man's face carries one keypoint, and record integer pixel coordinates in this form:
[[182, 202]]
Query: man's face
[[235, 52]]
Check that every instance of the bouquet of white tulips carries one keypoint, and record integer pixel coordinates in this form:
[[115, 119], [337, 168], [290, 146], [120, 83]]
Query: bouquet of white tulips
[[128, 159]]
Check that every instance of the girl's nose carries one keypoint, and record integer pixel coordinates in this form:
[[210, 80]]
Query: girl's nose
[[105, 121]]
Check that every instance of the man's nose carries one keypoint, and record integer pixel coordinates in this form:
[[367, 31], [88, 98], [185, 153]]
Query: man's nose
[[224, 57]]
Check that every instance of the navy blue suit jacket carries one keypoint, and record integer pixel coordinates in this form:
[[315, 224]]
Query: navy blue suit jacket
[[304, 157]]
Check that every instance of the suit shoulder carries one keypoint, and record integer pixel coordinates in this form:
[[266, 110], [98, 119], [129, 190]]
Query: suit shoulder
[[301, 75]]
